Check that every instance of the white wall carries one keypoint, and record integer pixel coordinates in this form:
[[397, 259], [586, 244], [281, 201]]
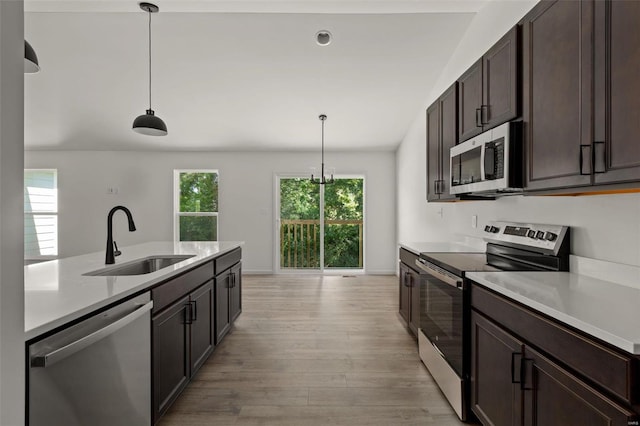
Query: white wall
[[246, 197], [11, 214], [604, 227]]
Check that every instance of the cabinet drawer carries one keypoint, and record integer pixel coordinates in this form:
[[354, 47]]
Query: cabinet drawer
[[614, 371], [227, 260], [166, 293], [408, 258]]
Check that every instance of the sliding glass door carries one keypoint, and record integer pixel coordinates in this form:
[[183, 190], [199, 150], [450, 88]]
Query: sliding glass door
[[320, 226]]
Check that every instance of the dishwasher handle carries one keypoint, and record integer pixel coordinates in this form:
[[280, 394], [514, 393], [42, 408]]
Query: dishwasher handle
[[58, 354]]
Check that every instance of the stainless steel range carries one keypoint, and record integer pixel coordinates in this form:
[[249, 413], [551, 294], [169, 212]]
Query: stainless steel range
[[444, 337]]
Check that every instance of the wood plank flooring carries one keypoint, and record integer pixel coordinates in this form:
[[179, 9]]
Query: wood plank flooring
[[313, 350]]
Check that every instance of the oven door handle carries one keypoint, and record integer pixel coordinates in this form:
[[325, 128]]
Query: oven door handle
[[452, 280]]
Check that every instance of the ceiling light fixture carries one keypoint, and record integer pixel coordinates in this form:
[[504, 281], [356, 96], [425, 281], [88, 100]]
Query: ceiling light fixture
[[323, 37], [30, 59], [322, 180], [149, 123]]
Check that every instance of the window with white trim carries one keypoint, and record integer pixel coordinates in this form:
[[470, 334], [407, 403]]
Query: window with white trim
[[40, 213], [195, 205]]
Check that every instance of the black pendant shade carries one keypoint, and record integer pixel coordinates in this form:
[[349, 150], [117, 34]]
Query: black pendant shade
[[149, 123], [30, 59]]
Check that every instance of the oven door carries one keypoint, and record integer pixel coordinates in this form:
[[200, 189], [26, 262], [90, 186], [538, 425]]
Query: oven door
[[441, 312]]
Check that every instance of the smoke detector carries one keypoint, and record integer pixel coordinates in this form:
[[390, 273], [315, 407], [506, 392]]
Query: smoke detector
[[323, 37]]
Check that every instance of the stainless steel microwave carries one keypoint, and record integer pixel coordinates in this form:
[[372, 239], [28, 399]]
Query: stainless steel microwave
[[489, 163]]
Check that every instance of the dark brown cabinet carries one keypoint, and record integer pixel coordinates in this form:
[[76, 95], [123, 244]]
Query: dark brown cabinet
[[409, 294], [616, 147], [442, 124], [488, 92], [170, 339], [557, 91], [223, 323], [560, 382], [582, 118], [182, 336], [228, 292], [495, 390], [201, 327], [235, 293]]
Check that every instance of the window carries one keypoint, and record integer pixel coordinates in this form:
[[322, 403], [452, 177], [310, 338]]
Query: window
[[196, 205], [40, 214]]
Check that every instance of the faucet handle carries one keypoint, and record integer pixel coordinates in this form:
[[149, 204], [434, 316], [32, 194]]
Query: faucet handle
[[116, 251]]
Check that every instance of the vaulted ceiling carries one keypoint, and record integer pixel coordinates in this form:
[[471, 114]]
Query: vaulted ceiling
[[235, 75]]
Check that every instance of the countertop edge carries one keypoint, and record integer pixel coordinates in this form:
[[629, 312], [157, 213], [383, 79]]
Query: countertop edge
[[51, 326], [612, 339]]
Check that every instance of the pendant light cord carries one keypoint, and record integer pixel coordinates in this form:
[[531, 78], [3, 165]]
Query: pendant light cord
[[149, 59]]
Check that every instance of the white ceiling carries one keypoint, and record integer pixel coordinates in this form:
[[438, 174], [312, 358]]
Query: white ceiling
[[235, 75]]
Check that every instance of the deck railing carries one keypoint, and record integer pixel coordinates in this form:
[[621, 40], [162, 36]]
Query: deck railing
[[300, 243]]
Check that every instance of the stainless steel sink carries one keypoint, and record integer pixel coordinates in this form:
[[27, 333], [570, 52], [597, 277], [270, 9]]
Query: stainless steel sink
[[141, 266]]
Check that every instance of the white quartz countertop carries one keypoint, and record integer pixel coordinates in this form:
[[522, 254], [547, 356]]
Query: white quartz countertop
[[57, 292], [440, 247], [603, 309]]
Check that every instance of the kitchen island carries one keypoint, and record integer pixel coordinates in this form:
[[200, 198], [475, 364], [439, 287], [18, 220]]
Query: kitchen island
[[134, 341], [57, 292]]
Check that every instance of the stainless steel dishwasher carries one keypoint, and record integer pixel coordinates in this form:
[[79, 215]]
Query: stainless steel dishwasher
[[96, 372]]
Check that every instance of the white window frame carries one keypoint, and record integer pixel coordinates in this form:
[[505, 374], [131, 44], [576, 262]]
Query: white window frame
[[50, 213], [176, 202]]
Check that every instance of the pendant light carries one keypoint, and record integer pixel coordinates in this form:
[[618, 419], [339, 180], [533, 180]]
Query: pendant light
[[322, 180], [149, 123], [30, 59]]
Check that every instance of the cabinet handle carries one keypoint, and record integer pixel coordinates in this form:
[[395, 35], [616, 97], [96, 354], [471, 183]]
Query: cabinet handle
[[513, 368], [194, 310], [600, 157], [478, 117], [484, 113], [233, 279], [188, 315], [523, 374], [435, 187], [585, 159]]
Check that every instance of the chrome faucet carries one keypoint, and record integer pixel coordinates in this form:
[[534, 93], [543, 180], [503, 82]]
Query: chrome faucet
[[110, 256]]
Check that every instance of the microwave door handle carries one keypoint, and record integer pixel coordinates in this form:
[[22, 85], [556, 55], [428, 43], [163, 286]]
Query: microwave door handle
[[489, 163]]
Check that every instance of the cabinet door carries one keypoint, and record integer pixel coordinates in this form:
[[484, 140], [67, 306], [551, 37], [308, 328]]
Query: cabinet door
[[557, 91], [170, 355], [448, 137], [414, 311], [202, 325], [405, 293], [222, 285], [496, 397], [617, 125], [555, 397], [500, 78], [235, 293], [433, 152], [469, 102]]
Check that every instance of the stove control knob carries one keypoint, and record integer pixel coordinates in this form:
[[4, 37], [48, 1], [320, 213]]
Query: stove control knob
[[531, 234], [550, 236], [487, 228], [540, 235], [494, 229]]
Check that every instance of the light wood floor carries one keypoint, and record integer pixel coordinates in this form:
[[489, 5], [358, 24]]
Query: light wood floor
[[312, 350]]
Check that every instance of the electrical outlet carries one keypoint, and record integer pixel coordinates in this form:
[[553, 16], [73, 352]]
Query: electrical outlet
[[440, 213], [474, 221], [112, 190]]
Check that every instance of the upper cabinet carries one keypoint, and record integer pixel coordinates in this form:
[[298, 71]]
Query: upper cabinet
[[616, 146], [580, 105], [442, 134], [488, 91], [557, 90]]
